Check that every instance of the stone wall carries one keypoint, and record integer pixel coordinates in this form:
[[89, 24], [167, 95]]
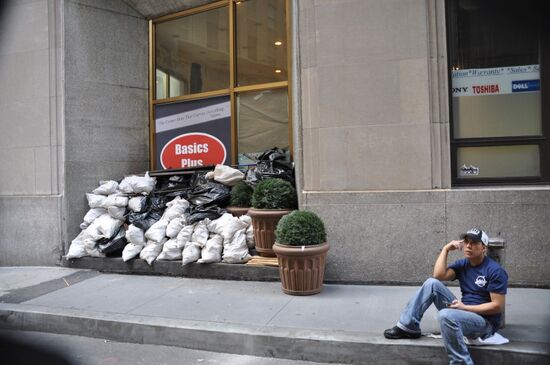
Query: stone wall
[[31, 142], [106, 112], [372, 146]]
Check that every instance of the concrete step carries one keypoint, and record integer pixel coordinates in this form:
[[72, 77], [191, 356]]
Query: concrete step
[[287, 343], [219, 271]]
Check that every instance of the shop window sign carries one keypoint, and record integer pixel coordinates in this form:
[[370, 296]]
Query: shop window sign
[[193, 133]]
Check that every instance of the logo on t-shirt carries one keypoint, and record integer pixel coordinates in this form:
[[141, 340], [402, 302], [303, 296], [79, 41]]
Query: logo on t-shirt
[[481, 281]]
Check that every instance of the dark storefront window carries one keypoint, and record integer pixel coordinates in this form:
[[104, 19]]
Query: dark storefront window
[[498, 64]]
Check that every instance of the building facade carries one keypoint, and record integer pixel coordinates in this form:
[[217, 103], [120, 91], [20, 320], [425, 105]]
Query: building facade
[[381, 122]]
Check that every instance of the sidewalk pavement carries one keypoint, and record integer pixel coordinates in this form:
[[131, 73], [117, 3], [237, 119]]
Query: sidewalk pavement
[[344, 323]]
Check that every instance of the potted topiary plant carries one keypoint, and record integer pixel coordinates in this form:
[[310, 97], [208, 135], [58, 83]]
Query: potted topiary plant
[[272, 199], [240, 199], [301, 248]]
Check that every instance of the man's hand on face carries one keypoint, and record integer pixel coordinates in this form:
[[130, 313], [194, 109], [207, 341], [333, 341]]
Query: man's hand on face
[[454, 245]]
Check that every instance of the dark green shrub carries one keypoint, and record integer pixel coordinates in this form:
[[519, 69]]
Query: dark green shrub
[[300, 228], [241, 195], [274, 194]]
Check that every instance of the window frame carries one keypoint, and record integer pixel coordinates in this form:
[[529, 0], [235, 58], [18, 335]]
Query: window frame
[[543, 140], [232, 91]]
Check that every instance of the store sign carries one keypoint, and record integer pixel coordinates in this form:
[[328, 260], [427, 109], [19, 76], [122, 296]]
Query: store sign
[[192, 150], [193, 133], [495, 81]]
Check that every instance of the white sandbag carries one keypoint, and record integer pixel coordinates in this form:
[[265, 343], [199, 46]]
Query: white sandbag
[[92, 231], [106, 188], [76, 249], [249, 230], [117, 212], [171, 250], [225, 175], [151, 250], [200, 234], [107, 225], [137, 184], [131, 250], [137, 204], [95, 200], [135, 235], [175, 226], [95, 253], [93, 214], [157, 231], [115, 200], [227, 225], [246, 219], [175, 208], [250, 237], [236, 251], [212, 251], [216, 226], [190, 253], [89, 244], [83, 225], [185, 235]]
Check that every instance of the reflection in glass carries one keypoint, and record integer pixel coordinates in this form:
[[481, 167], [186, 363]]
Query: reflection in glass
[[498, 161], [161, 84], [262, 123], [261, 42], [194, 52]]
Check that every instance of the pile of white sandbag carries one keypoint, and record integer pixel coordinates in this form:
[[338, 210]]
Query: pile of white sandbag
[[108, 205], [226, 239]]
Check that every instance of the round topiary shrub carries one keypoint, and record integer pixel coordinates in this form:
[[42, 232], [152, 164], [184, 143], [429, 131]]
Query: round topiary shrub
[[241, 195], [274, 194], [300, 228]]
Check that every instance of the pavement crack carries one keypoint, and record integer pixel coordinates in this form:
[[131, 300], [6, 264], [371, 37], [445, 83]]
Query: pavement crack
[[279, 311], [21, 295]]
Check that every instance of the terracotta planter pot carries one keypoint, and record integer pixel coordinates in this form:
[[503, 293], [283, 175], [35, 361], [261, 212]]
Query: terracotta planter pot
[[237, 211], [301, 268], [264, 222]]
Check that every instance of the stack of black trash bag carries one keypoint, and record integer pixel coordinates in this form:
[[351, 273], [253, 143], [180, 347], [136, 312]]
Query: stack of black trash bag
[[174, 217]]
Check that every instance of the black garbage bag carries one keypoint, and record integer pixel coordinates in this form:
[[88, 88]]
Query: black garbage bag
[[158, 202], [198, 213], [145, 220], [173, 183], [114, 246], [273, 163], [208, 192]]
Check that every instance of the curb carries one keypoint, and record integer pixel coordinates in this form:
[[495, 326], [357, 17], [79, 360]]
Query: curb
[[265, 341]]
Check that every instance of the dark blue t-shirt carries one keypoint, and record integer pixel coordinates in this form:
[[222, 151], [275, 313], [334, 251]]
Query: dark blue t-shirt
[[476, 282]]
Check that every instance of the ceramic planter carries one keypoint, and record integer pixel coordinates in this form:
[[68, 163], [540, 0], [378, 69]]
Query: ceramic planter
[[301, 268], [264, 222], [237, 211]]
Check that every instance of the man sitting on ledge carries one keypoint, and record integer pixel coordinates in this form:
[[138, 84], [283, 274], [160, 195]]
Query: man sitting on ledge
[[483, 283]]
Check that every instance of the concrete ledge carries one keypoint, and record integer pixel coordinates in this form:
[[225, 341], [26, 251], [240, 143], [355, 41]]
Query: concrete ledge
[[267, 341], [174, 268]]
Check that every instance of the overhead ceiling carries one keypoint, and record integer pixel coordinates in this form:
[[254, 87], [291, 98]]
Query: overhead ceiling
[[155, 8]]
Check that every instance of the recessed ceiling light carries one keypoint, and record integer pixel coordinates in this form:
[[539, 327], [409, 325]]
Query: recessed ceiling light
[[277, 71], [278, 43]]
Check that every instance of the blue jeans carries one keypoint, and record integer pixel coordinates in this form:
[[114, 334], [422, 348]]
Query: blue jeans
[[454, 323]]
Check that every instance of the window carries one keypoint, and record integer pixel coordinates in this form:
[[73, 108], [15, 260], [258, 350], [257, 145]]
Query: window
[[500, 122], [236, 49]]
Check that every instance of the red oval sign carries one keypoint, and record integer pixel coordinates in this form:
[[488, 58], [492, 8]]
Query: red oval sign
[[192, 150]]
